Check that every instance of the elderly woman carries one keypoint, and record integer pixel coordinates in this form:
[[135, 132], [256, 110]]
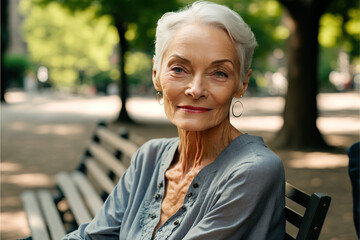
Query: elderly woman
[[213, 182]]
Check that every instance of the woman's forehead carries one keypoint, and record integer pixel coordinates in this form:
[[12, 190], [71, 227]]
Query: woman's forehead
[[202, 41]]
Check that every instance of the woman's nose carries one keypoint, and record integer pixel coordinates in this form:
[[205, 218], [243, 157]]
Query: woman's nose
[[196, 88]]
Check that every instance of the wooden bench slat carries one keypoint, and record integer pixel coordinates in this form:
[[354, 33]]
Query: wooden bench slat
[[293, 217], [92, 197], [73, 197], [52, 216], [34, 216], [101, 178], [296, 195], [125, 146], [107, 159]]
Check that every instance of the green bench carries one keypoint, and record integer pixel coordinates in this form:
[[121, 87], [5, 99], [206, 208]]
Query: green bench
[[79, 194]]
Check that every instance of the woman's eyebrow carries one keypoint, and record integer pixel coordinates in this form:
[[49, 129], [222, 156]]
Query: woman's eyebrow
[[180, 57], [222, 61]]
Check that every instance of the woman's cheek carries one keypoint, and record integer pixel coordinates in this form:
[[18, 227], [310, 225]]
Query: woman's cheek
[[172, 88], [222, 95], [169, 94]]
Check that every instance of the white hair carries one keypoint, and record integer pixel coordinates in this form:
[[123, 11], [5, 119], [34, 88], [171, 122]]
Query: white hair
[[209, 13]]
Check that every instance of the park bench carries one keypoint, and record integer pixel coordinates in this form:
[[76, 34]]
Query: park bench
[[80, 194]]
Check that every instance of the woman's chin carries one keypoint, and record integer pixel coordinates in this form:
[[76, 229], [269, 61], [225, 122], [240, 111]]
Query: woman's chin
[[194, 126]]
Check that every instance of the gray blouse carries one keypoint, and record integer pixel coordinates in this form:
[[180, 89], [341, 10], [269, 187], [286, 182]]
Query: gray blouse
[[238, 196]]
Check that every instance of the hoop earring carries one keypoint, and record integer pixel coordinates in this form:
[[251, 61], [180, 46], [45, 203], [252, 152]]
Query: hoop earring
[[232, 109], [159, 98]]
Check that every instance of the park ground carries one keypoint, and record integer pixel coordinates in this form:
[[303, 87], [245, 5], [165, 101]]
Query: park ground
[[44, 133]]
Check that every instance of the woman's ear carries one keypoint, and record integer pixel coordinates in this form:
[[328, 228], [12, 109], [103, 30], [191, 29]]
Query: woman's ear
[[155, 81], [242, 89]]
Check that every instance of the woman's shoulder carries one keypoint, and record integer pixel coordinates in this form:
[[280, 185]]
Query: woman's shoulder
[[250, 146], [250, 154]]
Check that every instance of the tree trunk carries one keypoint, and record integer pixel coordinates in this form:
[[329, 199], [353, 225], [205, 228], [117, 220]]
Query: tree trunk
[[4, 44], [299, 129], [123, 85]]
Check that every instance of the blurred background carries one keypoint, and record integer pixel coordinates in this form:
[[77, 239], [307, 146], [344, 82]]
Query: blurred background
[[65, 65]]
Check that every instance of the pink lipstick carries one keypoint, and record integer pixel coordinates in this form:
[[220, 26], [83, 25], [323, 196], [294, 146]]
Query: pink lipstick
[[192, 109]]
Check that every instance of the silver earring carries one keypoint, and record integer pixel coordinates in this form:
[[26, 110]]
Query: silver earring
[[159, 98], [233, 106]]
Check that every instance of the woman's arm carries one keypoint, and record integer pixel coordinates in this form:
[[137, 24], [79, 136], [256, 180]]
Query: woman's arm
[[107, 221]]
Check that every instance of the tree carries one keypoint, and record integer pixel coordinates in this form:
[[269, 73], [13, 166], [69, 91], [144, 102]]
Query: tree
[[143, 13], [299, 129], [72, 46], [4, 44]]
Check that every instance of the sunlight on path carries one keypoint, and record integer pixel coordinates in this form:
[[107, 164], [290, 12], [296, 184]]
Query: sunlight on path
[[14, 222], [318, 160]]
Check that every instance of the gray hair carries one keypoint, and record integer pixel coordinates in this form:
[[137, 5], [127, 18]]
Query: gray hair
[[209, 13]]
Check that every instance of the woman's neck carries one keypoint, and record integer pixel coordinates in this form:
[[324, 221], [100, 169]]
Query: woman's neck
[[200, 148]]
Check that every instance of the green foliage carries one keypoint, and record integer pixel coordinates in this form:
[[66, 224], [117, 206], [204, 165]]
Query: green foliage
[[330, 29], [140, 16], [137, 18], [327, 63], [336, 32], [339, 30], [138, 67], [352, 27], [340, 27], [101, 80], [142, 13], [68, 43], [14, 67]]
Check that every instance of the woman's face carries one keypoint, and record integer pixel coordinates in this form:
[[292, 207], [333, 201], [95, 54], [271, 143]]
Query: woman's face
[[199, 76]]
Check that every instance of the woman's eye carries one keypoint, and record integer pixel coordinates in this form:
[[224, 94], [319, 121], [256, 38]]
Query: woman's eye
[[221, 74], [177, 70]]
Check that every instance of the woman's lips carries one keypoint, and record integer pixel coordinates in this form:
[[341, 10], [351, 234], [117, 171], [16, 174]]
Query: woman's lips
[[193, 109]]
